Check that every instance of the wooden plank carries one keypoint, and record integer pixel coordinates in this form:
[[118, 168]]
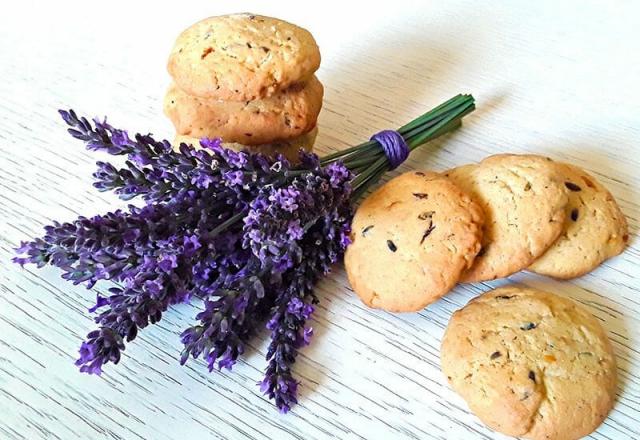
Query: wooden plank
[[555, 78]]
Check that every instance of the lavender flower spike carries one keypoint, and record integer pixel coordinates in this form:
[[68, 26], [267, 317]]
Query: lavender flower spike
[[251, 235]]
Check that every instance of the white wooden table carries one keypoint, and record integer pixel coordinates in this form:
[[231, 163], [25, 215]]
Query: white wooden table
[[556, 78]]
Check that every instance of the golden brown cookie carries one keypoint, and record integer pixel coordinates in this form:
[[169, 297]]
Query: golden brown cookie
[[530, 364], [595, 229], [285, 115], [242, 57], [411, 240], [288, 148], [524, 201]]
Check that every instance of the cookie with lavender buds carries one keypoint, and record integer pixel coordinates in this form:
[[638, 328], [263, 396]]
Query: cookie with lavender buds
[[524, 200], [289, 148], [285, 115], [411, 240], [530, 364], [242, 57], [595, 229]]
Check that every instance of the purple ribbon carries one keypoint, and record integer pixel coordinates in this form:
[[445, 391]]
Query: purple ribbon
[[393, 145]]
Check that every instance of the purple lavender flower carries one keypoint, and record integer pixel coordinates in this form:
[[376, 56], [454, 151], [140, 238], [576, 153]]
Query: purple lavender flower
[[100, 302], [167, 262], [102, 346], [171, 248], [168, 250], [321, 246], [190, 245], [306, 336], [150, 249], [250, 235], [225, 326]]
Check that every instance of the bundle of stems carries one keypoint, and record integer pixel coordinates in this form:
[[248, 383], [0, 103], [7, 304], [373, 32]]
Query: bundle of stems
[[249, 234], [368, 161]]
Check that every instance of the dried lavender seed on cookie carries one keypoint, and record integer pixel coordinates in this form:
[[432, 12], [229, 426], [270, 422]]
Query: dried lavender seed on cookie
[[530, 364], [285, 115], [524, 199], [594, 231], [242, 57], [411, 240]]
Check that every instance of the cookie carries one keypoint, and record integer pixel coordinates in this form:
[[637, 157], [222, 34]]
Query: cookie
[[524, 201], [288, 148], [595, 229], [285, 115], [530, 364], [242, 57], [411, 239]]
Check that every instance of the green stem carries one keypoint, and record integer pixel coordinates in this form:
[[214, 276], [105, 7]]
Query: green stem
[[382, 162], [224, 225], [427, 127], [356, 163], [362, 188], [452, 111], [441, 127], [419, 120], [451, 108], [365, 146]]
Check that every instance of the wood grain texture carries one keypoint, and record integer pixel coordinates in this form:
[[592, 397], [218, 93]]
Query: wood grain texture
[[555, 78]]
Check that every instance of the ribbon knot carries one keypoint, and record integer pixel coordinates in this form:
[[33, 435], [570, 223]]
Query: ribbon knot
[[393, 145]]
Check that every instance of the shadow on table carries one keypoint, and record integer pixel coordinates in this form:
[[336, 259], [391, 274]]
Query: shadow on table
[[379, 78], [385, 83]]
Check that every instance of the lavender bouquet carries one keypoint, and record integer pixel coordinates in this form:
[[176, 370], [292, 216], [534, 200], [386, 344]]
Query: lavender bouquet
[[249, 234]]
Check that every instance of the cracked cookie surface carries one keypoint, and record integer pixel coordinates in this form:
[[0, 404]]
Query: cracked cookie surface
[[595, 229], [530, 363], [242, 57], [411, 240], [285, 115], [524, 199]]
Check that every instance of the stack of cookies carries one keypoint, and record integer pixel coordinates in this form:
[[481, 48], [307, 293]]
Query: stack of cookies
[[417, 236], [247, 79]]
